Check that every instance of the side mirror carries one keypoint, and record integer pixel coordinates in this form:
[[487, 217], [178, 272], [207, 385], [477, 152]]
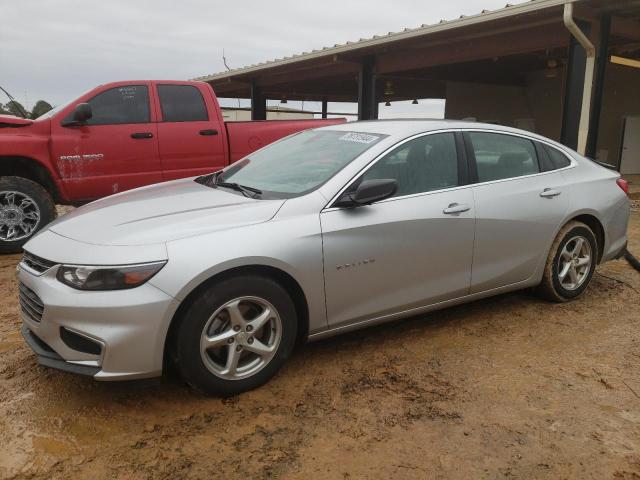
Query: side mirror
[[79, 116], [368, 191]]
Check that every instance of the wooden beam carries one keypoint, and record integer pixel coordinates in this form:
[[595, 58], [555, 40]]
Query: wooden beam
[[524, 41], [625, 28]]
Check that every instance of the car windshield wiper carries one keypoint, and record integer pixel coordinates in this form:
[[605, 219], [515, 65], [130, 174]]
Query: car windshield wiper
[[247, 191]]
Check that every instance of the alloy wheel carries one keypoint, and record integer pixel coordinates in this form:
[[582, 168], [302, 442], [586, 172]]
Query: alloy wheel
[[574, 263], [19, 216], [241, 338]]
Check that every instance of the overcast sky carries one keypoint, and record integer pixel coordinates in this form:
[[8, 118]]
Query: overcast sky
[[56, 50]]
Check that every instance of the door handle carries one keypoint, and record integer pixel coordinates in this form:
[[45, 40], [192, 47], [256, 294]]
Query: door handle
[[212, 131], [550, 193], [456, 208], [139, 135]]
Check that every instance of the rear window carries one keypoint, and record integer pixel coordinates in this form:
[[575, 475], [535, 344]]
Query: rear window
[[557, 159], [500, 156], [182, 103]]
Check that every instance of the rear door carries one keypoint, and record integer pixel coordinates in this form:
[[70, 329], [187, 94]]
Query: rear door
[[116, 150], [190, 137], [519, 207], [407, 251]]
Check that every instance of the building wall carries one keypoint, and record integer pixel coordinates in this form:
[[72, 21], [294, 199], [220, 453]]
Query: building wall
[[235, 115], [621, 98], [537, 106]]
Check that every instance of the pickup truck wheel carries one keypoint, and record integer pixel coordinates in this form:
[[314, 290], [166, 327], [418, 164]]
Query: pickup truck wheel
[[25, 207], [236, 335]]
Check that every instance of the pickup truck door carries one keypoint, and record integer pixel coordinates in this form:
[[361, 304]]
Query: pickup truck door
[[191, 137], [115, 150]]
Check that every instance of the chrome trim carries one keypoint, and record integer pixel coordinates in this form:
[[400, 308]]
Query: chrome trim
[[28, 258], [31, 304], [364, 169], [98, 361]]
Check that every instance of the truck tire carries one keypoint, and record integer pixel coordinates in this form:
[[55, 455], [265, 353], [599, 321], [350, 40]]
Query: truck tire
[[25, 207]]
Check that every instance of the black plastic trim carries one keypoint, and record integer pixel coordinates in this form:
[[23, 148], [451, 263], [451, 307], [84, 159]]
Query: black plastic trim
[[49, 358]]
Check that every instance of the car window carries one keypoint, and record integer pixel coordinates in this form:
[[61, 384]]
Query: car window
[[125, 104], [182, 103], [556, 158], [500, 156], [421, 165]]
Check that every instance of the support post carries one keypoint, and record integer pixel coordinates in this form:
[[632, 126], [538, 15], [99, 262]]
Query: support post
[[258, 104], [324, 107], [598, 88], [367, 100], [579, 83]]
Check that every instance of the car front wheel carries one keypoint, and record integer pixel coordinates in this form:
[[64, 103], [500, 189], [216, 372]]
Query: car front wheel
[[236, 335], [571, 263]]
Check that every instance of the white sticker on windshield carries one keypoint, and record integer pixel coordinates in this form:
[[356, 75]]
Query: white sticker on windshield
[[359, 137]]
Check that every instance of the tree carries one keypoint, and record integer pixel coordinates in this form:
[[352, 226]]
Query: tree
[[40, 108], [15, 108]]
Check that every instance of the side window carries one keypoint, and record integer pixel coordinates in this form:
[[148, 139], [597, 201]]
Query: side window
[[421, 165], [118, 105], [501, 156], [556, 158], [182, 103]]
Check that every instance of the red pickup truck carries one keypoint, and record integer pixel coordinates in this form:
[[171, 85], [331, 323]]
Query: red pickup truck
[[116, 137]]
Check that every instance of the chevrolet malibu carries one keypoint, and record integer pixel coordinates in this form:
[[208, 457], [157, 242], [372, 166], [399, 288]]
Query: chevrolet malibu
[[326, 231]]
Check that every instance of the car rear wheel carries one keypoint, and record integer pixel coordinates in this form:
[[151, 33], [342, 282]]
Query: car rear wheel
[[25, 207], [236, 335], [571, 263]]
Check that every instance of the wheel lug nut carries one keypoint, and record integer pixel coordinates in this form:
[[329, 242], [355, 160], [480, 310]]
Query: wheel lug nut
[[249, 328], [236, 328], [250, 340], [238, 348], [230, 340]]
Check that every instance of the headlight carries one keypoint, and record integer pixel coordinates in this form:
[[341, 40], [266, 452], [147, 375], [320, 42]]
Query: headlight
[[108, 277]]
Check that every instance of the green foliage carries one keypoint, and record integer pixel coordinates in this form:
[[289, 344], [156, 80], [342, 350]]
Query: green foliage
[[40, 108], [15, 108]]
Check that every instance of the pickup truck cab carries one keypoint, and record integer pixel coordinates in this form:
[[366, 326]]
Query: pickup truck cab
[[117, 137]]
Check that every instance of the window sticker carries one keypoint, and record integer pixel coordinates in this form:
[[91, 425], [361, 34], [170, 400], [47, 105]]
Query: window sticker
[[359, 137]]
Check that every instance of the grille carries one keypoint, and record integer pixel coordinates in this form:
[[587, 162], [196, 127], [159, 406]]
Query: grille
[[30, 304], [35, 263]]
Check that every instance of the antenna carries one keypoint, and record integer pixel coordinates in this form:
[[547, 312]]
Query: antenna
[[224, 61], [22, 110]]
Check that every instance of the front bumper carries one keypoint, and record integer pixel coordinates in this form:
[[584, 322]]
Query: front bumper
[[130, 327]]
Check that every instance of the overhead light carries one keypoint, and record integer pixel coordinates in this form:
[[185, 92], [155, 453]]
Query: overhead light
[[387, 104], [415, 101], [283, 99], [552, 68], [389, 90]]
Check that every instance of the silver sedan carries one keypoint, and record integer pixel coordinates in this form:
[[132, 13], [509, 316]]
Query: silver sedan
[[326, 231]]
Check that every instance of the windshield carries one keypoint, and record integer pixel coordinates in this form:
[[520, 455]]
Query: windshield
[[298, 164]]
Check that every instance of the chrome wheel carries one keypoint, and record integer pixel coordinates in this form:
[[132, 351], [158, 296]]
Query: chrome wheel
[[574, 263], [240, 338], [19, 216]]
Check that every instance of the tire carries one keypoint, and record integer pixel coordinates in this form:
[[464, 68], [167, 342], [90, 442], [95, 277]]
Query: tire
[[214, 313], [25, 207], [556, 288]]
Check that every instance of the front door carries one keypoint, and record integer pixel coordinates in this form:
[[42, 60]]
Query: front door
[[116, 150], [407, 251]]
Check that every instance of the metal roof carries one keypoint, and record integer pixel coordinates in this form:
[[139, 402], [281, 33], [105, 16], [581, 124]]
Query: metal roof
[[377, 40]]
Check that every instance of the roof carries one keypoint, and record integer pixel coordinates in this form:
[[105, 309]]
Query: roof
[[377, 40]]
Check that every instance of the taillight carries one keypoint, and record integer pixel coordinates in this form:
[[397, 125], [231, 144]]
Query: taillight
[[624, 185]]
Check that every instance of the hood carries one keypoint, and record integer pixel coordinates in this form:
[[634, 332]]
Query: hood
[[12, 121], [161, 213]]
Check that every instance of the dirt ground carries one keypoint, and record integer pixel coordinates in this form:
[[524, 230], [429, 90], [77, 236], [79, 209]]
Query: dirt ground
[[509, 387]]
